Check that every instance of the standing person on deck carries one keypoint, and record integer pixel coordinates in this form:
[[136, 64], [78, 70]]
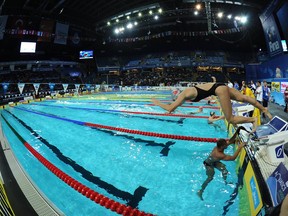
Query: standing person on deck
[[225, 95], [286, 99], [266, 96]]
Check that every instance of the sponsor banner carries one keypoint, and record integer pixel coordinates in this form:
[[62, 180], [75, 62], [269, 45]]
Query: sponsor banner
[[88, 86], [61, 33], [5, 87], [65, 86], [3, 21], [269, 10], [278, 184], [272, 36], [36, 87], [51, 86], [275, 86], [254, 195], [283, 86], [21, 87], [77, 87]]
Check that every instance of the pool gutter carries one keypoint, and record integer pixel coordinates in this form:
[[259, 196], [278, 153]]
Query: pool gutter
[[39, 202]]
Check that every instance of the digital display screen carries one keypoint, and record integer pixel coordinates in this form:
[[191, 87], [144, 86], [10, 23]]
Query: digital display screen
[[284, 45], [28, 47], [86, 54]]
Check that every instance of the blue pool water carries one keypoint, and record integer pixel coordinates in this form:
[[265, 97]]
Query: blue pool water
[[156, 175]]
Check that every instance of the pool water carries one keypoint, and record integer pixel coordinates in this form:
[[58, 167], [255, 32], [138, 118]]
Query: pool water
[[156, 175]]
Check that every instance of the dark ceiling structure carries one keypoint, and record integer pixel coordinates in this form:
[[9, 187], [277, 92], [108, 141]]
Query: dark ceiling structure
[[102, 18]]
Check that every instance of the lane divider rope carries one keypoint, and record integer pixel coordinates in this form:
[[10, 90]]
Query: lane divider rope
[[78, 186], [124, 130], [129, 112]]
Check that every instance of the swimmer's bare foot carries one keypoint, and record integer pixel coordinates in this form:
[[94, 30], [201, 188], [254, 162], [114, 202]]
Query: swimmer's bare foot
[[255, 124], [199, 193], [266, 112]]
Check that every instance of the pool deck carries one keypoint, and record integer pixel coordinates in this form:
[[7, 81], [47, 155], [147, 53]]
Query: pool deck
[[19, 202]]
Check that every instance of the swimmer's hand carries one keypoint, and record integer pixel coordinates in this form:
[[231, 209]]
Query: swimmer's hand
[[242, 144]]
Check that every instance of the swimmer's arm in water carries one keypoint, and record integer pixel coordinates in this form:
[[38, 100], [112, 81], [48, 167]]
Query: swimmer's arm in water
[[211, 120]]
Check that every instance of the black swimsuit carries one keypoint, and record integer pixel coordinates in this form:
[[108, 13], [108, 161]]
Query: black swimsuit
[[201, 93]]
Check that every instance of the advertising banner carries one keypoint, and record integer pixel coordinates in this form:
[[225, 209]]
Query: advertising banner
[[278, 184], [272, 36]]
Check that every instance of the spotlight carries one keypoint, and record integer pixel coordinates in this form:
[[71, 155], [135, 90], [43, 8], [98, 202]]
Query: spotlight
[[229, 16], [243, 19], [198, 7], [220, 14], [139, 14], [129, 26], [150, 12], [117, 20], [196, 13], [116, 31], [135, 23], [108, 23], [160, 10], [156, 17], [128, 17]]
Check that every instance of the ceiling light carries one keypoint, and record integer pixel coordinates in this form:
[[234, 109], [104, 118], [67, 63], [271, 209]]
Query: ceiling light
[[135, 23], [160, 10], [150, 12], [139, 14], [116, 31], [108, 23], [229, 16], [117, 20], [128, 17], [198, 7], [156, 17], [220, 14], [196, 13], [243, 19], [129, 26]]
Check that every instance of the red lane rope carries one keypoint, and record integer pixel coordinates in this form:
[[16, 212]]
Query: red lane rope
[[169, 136], [86, 191]]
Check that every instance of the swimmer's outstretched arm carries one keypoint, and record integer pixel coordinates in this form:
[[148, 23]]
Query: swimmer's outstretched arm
[[171, 107]]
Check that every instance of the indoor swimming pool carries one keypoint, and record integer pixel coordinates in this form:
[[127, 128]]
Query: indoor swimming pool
[[125, 148]]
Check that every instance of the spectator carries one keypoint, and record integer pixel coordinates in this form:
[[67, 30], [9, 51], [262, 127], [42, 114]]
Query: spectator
[[286, 99], [259, 92], [236, 85], [266, 96], [253, 87]]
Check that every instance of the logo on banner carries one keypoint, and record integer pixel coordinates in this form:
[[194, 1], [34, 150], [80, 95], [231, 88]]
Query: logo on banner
[[278, 184], [77, 87], [255, 194], [51, 86], [65, 86], [5, 87], [21, 87], [279, 152], [36, 87], [88, 86]]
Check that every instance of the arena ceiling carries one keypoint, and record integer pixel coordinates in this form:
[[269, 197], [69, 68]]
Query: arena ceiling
[[94, 15]]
